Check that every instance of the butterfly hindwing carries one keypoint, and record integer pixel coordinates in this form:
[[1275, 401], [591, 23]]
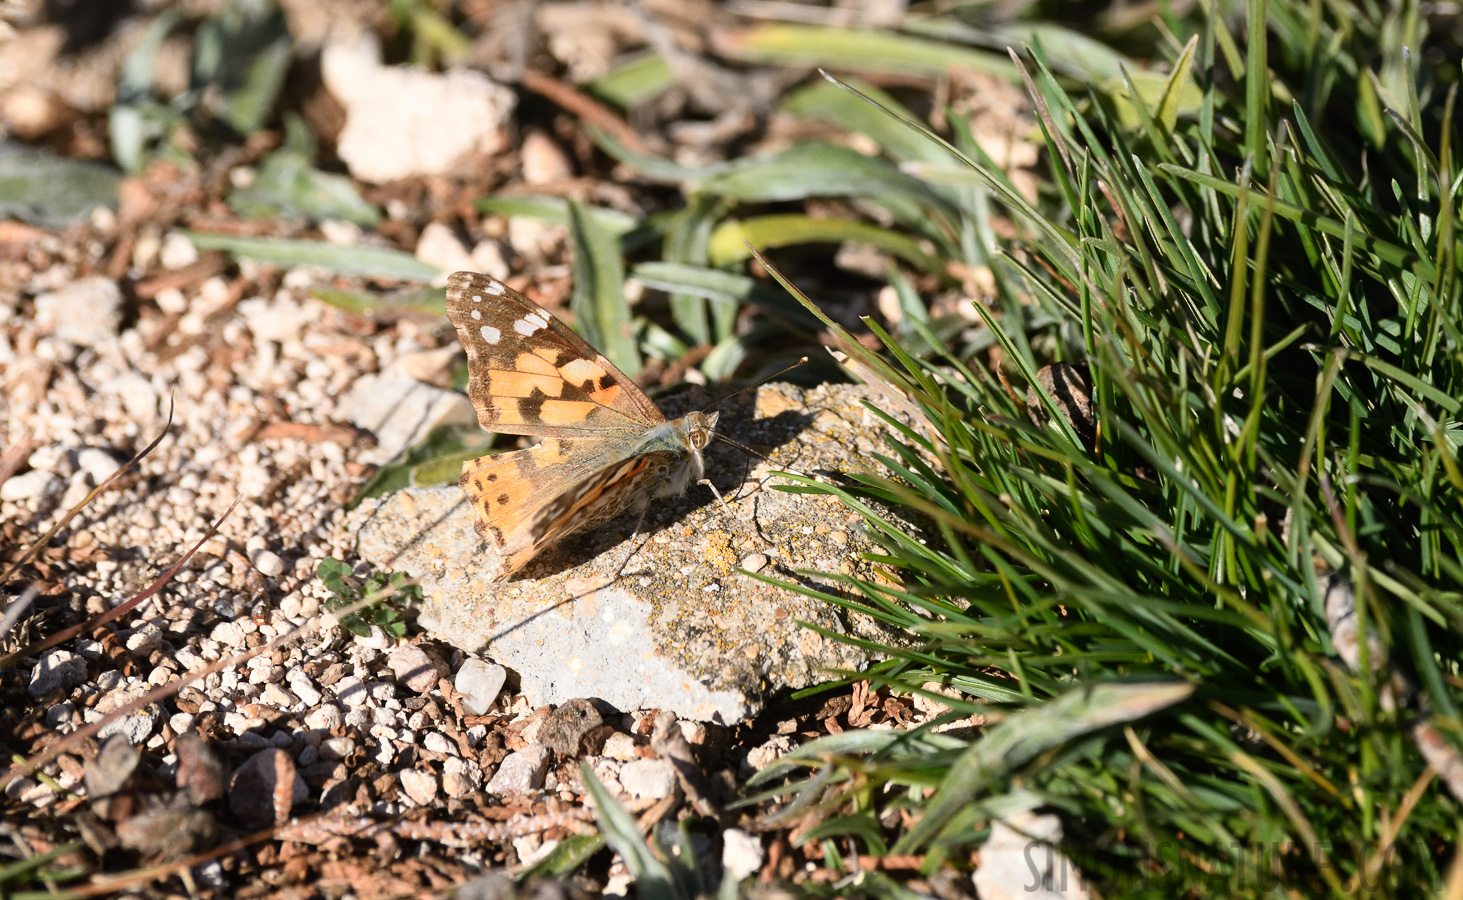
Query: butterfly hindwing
[[527, 500], [531, 374]]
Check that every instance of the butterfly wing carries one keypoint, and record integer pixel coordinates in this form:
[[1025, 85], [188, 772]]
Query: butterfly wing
[[528, 500], [531, 374]]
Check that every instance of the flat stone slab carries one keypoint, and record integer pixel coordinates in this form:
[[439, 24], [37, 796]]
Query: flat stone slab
[[680, 629]]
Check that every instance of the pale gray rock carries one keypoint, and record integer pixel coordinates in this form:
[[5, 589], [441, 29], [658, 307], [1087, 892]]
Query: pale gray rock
[[57, 671], [97, 463], [266, 787], [86, 312], [619, 746], [415, 668], [268, 563], [1019, 860], [479, 683], [521, 772], [648, 779], [136, 727], [420, 786], [402, 122], [30, 486], [400, 411], [741, 853], [681, 629]]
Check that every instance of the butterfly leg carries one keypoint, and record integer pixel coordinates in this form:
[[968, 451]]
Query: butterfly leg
[[639, 522], [707, 482]]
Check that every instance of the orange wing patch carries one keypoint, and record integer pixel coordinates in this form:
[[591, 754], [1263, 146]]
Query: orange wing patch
[[505, 489]]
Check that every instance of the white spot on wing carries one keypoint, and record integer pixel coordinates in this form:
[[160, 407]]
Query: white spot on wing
[[477, 298], [490, 334], [494, 289], [477, 314], [530, 323]]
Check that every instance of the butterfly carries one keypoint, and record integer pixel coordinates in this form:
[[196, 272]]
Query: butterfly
[[606, 448]]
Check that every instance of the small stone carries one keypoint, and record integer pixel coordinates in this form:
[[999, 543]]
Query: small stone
[[543, 161], [304, 688], [97, 463], [619, 746], [170, 831], [531, 848], [324, 718], [177, 251], [201, 774], [60, 715], [565, 728], [420, 786], [136, 393], [521, 772], [277, 319], [31, 486], [648, 779], [57, 671], [1070, 388], [277, 697], [266, 787], [460, 777], [416, 668], [351, 691], [142, 642], [1017, 861], [87, 312], [114, 763], [268, 563], [337, 748], [136, 727], [754, 562], [402, 122], [230, 634], [741, 853], [439, 246], [479, 683], [437, 742]]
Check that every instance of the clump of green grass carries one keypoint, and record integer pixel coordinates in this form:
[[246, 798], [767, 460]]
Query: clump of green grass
[[1267, 295]]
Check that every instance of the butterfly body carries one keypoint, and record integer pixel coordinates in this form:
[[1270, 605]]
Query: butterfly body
[[606, 448]]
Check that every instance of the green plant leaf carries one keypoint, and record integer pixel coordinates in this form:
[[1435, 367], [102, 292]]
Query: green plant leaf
[[52, 191], [730, 239], [134, 118], [652, 879], [286, 185], [600, 310], [634, 81], [556, 210], [426, 300], [245, 52], [859, 51], [436, 459], [378, 262], [835, 104]]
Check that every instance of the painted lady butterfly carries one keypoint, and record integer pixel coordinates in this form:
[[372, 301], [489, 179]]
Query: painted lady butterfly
[[606, 450]]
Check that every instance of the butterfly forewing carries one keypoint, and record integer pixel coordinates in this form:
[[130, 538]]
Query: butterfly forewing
[[531, 374]]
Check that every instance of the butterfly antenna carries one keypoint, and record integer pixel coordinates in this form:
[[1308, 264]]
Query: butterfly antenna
[[752, 387], [743, 447]]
